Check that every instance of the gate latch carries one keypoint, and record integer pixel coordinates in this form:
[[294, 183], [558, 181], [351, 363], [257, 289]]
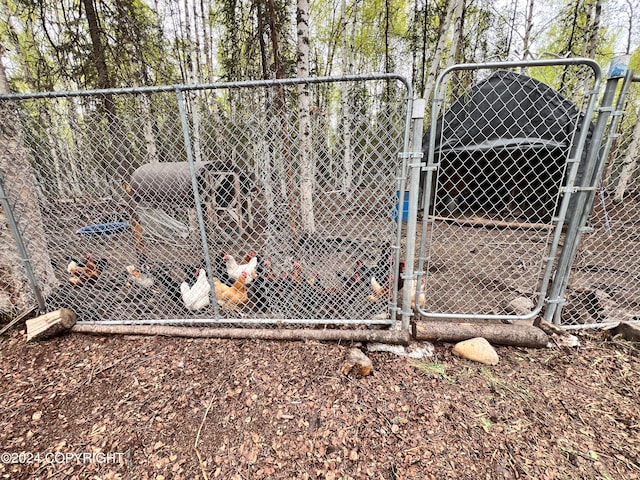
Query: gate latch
[[413, 156]]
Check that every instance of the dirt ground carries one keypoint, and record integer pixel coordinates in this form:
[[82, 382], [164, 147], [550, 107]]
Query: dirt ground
[[164, 408]]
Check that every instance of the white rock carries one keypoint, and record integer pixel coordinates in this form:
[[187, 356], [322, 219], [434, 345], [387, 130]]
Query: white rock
[[477, 349]]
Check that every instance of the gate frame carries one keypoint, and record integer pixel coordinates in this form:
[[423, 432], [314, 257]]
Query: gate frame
[[572, 163]]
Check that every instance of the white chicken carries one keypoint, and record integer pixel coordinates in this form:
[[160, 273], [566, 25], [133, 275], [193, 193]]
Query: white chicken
[[234, 270], [196, 297]]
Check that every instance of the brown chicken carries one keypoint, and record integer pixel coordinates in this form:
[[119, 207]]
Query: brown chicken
[[295, 275], [89, 272], [234, 296]]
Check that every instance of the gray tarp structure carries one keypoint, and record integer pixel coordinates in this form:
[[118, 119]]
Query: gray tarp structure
[[169, 183], [503, 147]]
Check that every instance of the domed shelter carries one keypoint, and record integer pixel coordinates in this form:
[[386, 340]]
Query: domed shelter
[[503, 149]]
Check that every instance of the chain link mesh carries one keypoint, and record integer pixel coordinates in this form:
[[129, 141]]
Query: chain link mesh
[[604, 285], [502, 143], [136, 232]]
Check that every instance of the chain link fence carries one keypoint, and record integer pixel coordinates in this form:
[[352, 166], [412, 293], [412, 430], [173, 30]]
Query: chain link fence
[[132, 205], [604, 283], [242, 203], [505, 148]]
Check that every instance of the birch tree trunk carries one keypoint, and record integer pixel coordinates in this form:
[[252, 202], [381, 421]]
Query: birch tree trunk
[[437, 55], [192, 66], [629, 164], [347, 67], [630, 5], [148, 129], [307, 163], [458, 25], [423, 50], [526, 41], [207, 42], [595, 27]]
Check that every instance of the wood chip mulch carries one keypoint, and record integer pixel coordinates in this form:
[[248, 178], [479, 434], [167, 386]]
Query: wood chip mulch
[[175, 408]]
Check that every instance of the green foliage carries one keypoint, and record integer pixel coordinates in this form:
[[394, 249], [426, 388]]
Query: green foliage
[[50, 46], [570, 32]]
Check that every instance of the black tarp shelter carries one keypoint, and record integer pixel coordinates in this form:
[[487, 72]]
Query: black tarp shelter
[[503, 148]]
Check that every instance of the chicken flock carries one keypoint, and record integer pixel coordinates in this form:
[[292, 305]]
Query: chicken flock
[[253, 282]]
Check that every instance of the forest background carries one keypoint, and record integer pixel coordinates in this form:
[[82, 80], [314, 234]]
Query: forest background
[[71, 45], [85, 44]]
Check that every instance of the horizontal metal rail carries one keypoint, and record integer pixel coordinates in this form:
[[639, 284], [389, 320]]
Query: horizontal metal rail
[[210, 86]]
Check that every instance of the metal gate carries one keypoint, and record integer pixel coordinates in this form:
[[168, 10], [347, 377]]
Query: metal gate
[[505, 149], [147, 198]]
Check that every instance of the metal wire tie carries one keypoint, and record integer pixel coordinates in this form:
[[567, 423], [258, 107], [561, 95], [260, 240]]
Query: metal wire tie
[[558, 301], [402, 155], [577, 189]]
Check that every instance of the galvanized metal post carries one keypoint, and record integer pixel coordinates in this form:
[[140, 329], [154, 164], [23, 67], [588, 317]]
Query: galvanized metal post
[[22, 249], [595, 164], [196, 197], [415, 168], [401, 185], [584, 198]]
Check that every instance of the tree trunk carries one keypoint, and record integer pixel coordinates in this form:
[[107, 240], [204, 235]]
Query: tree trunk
[[263, 45], [595, 27], [423, 51], [21, 188], [512, 28], [501, 334], [192, 97], [568, 50], [286, 165], [398, 337], [590, 39], [207, 41], [123, 165], [629, 164], [149, 129], [437, 55], [307, 163], [458, 37], [627, 49], [347, 66], [526, 41]]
